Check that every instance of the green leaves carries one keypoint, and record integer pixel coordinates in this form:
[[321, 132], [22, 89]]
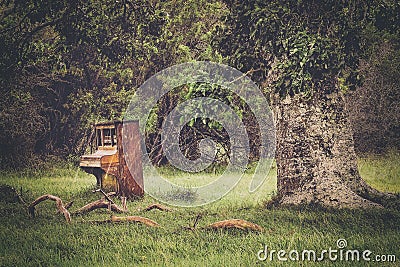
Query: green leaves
[[309, 60], [306, 42]]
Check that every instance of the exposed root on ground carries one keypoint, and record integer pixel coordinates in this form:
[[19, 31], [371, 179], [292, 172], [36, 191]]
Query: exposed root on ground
[[330, 193], [104, 203], [61, 208], [69, 204], [383, 198], [99, 204]]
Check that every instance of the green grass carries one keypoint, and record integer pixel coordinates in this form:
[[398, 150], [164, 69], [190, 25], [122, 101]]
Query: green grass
[[382, 172], [47, 240]]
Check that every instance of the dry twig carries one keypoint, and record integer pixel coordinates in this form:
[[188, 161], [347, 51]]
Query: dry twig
[[99, 204]]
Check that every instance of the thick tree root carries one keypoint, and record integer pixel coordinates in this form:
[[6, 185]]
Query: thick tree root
[[383, 198], [59, 203], [329, 195], [99, 204]]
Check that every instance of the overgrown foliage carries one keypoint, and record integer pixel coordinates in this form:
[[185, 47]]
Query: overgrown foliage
[[305, 43], [375, 106], [67, 64]]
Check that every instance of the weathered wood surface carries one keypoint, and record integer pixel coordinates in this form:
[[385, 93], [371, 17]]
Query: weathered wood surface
[[122, 161], [99, 204], [59, 204], [130, 177]]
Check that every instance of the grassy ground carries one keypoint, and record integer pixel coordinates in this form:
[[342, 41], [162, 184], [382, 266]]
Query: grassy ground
[[48, 241]]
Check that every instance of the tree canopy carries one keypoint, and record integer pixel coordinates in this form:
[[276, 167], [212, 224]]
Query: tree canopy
[[305, 42], [67, 64]]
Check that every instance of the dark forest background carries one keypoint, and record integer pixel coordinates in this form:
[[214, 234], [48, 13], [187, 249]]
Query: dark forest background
[[65, 65]]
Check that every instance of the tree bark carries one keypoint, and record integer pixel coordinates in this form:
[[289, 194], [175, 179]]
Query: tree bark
[[315, 154], [59, 204], [99, 204]]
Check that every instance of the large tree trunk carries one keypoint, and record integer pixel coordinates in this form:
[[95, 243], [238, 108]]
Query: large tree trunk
[[315, 152]]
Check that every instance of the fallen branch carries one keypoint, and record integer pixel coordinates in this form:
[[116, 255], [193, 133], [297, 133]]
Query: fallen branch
[[99, 204], [158, 207], [67, 206], [235, 223], [59, 204]]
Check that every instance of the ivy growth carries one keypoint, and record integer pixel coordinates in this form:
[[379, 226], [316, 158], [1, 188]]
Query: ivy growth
[[306, 42]]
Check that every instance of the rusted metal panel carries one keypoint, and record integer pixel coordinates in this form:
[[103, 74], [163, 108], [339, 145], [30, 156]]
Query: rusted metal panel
[[130, 178]]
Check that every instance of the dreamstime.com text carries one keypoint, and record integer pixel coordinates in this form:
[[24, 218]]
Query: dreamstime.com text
[[338, 253]]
